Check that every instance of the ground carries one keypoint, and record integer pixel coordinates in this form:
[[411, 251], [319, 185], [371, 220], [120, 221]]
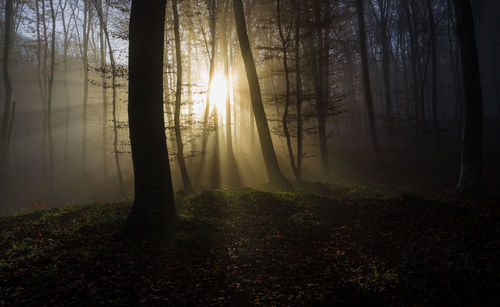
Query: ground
[[322, 245]]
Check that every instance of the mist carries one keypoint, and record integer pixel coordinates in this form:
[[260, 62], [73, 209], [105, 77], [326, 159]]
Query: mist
[[83, 154]]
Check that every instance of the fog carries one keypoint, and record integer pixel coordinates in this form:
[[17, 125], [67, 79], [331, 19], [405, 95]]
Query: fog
[[60, 165]]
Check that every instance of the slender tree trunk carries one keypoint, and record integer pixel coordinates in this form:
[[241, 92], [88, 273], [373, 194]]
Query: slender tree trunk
[[86, 33], [153, 212], [414, 67], [66, 90], [386, 66], [472, 142], [284, 45], [177, 123], [298, 90], [276, 178], [102, 44], [366, 78], [42, 86], [50, 92], [435, 118], [225, 50], [116, 152], [210, 78]]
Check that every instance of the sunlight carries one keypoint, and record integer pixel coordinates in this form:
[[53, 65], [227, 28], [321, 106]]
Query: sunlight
[[218, 92]]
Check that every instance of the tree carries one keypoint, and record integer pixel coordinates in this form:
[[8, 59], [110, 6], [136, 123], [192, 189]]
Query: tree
[[366, 77], [153, 212], [9, 108], [284, 46], [472, 138], [298, 89], [104, 28], [178, 92], [87, 20], [276, 178]]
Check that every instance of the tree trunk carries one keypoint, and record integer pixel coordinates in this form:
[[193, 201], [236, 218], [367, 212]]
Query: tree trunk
[[276, 178], [386, 66], [210, 78], [153, 212], [8, 111], [113, 100], [66, 42], [472, 142], [366, 78], [50, 92], [298, 90], [284, 44], [178, 95], [86, 33], [435, 118], [102, 44]]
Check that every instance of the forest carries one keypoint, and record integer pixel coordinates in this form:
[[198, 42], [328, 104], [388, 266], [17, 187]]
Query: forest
[[250, 152]]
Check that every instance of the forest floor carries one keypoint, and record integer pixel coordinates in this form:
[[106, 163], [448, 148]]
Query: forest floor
[[322, 245]]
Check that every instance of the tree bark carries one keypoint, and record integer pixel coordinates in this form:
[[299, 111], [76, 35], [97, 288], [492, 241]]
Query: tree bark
[[50, 92], [276, 178], [298, 90], [116, 152], [472, 139], [153, 212], [284, 46], [366, 78], [8, 111], [435, 118], [86, 33], [178, 96]]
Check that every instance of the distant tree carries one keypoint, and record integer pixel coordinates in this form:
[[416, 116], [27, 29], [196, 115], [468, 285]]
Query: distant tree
[[298, 89], [285, 40], [276, 178], [366, 77], [472, 139], [153, 212], [87, 20], [178, 96]]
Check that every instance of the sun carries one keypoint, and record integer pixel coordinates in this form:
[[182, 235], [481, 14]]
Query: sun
[[218, 92]]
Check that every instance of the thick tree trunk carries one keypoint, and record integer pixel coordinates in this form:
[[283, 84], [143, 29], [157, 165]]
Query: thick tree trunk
[[472, 142], [178, 96], [8, 110], [153, 212], [276, 178], [366, 78]]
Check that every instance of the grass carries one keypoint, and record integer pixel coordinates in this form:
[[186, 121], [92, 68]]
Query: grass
[[322, 245]]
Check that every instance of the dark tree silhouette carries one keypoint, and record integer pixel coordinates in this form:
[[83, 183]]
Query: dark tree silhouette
[[472, 139], [9, 109], [178, 95], [153, 212], [366, 77], [276, 178]]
